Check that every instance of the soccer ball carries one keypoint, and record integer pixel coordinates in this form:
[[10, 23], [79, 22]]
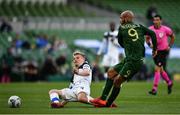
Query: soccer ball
[[14, 101]]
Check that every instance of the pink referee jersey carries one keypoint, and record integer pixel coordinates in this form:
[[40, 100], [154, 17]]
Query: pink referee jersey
[[162, 35]]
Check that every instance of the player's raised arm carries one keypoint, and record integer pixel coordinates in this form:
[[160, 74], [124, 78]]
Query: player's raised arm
[[100, 50], [152, 36], [153, 39], [102, 47], [148, 41], [85, 71]]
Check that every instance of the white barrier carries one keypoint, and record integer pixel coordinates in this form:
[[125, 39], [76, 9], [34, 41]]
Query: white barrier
[[89, 43]]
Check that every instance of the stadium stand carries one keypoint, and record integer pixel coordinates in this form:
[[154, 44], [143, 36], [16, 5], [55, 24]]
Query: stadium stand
[[38, 9], [165, 8]]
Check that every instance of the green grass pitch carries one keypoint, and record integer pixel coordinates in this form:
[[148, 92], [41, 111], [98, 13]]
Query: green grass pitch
[[132, 99]]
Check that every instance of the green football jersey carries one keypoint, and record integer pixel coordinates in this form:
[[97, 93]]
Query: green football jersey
[[132, 37]]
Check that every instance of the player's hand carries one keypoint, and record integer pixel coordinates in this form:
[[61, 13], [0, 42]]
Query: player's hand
[[154, 53], [75, 70], [151, 46], [168, 48]]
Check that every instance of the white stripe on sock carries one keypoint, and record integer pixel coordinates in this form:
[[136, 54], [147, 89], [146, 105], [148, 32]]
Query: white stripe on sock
[[54, 95]]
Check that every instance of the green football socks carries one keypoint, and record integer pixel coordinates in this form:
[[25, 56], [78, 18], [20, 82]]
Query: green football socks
[[113, 96], [107, 88]]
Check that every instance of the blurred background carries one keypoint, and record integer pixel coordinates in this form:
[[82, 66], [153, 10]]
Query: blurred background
[[37, 37]]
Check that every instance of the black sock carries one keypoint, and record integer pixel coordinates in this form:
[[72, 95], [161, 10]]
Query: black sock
[[113, 96], [107, 88]]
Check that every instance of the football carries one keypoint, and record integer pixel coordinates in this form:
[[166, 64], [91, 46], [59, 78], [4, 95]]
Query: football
[[14, 101]]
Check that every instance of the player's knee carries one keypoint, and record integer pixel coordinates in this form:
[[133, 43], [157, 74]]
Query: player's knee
[[111, 73], [82, 97], [157, 69], [53, 91]]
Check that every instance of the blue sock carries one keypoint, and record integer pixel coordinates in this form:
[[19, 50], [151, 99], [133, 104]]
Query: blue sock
[[55, 99]]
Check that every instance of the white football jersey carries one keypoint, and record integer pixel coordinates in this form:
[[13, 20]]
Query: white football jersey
[[77, 79], [110, 45]]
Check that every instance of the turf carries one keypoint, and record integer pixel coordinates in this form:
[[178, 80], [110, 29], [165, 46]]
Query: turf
[[133, 99]]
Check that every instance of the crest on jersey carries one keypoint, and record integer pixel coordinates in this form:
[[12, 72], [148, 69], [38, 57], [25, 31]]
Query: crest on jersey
[[161, 34]]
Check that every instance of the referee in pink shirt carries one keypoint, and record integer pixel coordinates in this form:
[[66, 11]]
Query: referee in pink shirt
[[163, 46]]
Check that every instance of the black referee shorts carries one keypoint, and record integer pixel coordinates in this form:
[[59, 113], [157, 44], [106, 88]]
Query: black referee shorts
[[161, 58]]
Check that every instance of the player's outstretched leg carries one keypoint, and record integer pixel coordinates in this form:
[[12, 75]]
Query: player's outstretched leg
[[113, 96], [109, 83], [115, 91], [106, 90], [83, 97], [55, 100]]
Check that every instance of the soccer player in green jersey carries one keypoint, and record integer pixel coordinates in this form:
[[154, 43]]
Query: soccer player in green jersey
[[131, 37]]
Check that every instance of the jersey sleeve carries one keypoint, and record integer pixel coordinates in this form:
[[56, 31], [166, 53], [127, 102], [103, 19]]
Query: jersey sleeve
[[86, 66], [120, 39], [102, 47], [105, 35], [168, 31], [152, 35], [103, 44]]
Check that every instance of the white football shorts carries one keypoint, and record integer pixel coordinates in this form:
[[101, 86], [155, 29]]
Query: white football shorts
[[71, 94]]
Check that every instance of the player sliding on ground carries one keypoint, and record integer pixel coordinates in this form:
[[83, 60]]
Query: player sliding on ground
[[79, 89], [131, 37]]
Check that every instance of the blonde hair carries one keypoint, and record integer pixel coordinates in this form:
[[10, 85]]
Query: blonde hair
[[77, 52]]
